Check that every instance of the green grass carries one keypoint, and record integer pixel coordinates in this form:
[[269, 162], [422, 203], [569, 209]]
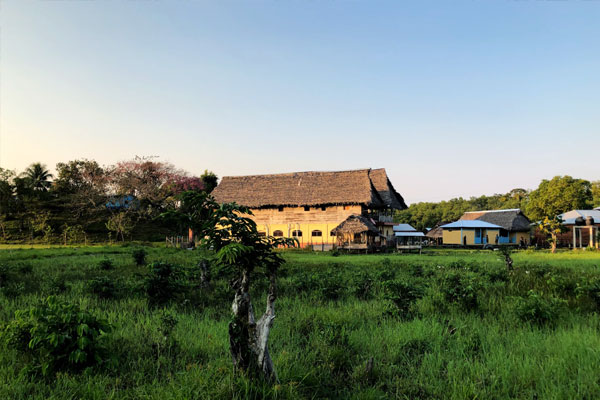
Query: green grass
[[334, 315]]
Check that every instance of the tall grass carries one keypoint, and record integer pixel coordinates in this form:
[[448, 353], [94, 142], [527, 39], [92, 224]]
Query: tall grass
[[333, 336]]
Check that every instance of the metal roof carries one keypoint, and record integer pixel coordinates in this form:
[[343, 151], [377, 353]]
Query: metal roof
[[403, 228], [409, 234], [569, 217], [470, 224]]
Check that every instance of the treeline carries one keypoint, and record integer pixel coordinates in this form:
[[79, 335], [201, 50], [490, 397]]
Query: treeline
[[86, 202], [552, 197]]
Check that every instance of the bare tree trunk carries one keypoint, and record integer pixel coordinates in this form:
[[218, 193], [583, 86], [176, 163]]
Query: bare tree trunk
[[553, 243], [249, 339]]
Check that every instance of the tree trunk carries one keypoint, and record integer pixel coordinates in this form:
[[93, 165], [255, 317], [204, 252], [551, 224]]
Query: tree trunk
[[508, 260], [553, 243], [248, 339], [204, 274]]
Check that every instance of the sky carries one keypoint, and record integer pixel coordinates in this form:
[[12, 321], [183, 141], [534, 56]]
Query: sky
[[453, 98]]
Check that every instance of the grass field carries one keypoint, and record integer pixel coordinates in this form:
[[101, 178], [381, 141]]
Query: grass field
[[448, 324]]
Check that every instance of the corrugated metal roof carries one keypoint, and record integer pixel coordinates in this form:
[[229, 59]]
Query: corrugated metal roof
[[404, 228], [572, 215], [409, 234], [470, 224]]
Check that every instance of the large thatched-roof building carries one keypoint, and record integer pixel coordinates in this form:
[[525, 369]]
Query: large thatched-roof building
[[310, 205]]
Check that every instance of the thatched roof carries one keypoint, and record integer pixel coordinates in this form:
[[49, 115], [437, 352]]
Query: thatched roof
[[356, 224], [390, 197], [435, 233], [366, 187], [511, 220]]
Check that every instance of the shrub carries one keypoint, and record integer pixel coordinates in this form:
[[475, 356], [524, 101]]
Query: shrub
[[106, 264], [57, 285], [539, 310], [25, 269], [102, 287], [4, 275], [401, 296], [460, 288], [139, 256], [335, 253], [363, 286], [57, 336], [163, 283], [330, 286], [593, 292]]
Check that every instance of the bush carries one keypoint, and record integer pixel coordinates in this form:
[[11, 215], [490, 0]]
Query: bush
[[163, 283], [363, 286], [57, 285], [461, 289], [106, 264], [57, 336], [401, 296], [102, 287], [139, 256], [539, 310], [330, 286], [593, 292], [25, 269], [4, 276]]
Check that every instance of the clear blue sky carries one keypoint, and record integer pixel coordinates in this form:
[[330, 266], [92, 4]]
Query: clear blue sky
[[453, 98]]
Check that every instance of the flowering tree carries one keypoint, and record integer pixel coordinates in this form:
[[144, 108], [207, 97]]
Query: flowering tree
[[152, 182]]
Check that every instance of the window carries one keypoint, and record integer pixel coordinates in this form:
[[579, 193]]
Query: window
[[316, 233], [296, 233], [280, 209], [306, 208], [262, 234], [332, 233], [278, 233]]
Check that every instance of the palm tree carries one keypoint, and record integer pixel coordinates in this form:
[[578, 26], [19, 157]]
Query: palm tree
[[38, 176]]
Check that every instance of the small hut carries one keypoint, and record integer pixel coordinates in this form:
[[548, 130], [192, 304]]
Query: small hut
[[358, 233], [435, 235]]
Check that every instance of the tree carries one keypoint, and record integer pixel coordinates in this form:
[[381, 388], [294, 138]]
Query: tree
[[210, 180], [244, 255], [82, 187], [7, 192], [153, 183], [38, 177], [554, 197], [596, 194], [120, 223]]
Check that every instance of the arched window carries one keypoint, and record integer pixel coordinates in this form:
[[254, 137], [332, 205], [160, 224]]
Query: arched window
[[296, 233], [262, 234], [278, 233], [332, 233], [316, 233]]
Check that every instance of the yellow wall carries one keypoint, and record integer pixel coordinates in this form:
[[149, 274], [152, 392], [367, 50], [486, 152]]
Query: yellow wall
[[387, 231], [451, 236], [525, 235], [295, 218]]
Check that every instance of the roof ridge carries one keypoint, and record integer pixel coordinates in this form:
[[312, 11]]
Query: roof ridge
[[488, 211], [299, 172]]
